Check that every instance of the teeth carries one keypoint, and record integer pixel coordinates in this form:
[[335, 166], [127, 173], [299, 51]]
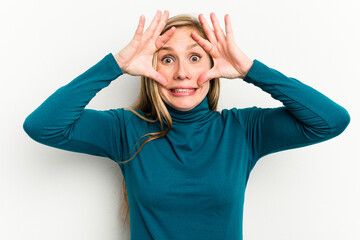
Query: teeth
[[182, 90]]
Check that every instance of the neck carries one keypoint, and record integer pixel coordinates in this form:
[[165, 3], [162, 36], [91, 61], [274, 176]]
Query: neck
[[199, 114]]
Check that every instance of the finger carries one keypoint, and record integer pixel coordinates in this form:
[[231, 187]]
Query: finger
[[228, 28], [150, 30], [162, 23], [205, 44], [164, 38], [140, 27], [206, 76], [208, 31], [218, 31], [158, 77]]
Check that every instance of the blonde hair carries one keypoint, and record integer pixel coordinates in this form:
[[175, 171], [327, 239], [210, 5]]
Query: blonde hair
[[151, 104]]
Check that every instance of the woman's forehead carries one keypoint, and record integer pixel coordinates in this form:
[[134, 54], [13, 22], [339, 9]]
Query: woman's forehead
[[181, 39]]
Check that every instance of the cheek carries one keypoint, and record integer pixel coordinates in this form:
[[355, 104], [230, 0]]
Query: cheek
[[200, 70], [162, 91], [160, 70], [166, 72], [207, 86], [205, 66]]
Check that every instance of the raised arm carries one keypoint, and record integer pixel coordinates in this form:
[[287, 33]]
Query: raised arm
[[307, 116], [62, 121]]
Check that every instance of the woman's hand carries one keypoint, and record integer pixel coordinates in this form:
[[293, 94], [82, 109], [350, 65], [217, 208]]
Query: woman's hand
[[229, 61], [136, 58]]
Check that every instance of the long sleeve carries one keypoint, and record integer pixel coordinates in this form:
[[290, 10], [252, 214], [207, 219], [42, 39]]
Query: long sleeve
[[307, 116], [62, 121]]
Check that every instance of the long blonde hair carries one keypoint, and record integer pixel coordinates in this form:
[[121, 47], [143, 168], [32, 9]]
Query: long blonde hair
[[151, 104]]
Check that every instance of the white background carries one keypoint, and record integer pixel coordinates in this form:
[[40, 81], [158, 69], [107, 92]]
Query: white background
[[46, 193]]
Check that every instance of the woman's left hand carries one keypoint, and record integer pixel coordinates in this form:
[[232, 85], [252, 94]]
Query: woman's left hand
[[229, 61]]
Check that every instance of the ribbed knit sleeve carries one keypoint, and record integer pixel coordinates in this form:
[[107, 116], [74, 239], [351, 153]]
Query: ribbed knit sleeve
[[307, 116], [62, 121]]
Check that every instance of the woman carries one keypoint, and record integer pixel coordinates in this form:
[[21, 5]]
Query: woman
[[187, 178]]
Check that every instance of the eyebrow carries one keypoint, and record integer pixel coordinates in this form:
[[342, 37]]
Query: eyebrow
[[188, 47]]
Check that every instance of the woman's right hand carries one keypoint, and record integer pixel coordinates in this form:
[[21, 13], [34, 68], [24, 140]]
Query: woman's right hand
[[136, 58]]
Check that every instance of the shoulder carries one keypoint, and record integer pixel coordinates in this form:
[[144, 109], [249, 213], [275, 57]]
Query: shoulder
[[240, 112], [126, 115], [245, 116]]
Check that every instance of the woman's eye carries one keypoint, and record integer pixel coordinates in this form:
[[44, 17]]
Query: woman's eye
[[167, 60], [195, 58]]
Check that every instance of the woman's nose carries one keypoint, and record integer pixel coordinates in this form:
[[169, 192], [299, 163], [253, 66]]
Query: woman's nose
[[182, 72]]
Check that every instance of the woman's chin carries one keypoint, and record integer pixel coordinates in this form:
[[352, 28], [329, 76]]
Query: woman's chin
[[183, 105]]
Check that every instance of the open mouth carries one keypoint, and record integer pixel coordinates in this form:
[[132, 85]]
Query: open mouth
[[179, 90], [183, 91]]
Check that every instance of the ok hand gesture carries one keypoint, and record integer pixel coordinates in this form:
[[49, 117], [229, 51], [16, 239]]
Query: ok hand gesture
[[229, 61], [136, 58]]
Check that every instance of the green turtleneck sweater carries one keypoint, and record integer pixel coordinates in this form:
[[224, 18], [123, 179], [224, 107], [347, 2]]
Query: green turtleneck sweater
[[190, 184]]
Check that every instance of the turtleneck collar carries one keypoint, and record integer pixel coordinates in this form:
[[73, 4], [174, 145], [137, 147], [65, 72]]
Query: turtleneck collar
[[199, 114]]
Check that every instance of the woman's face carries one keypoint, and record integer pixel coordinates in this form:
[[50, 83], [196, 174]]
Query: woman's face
[[181, 61]]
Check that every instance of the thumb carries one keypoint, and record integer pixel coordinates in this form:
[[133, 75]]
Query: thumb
[[206, 76], [157, 77]]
